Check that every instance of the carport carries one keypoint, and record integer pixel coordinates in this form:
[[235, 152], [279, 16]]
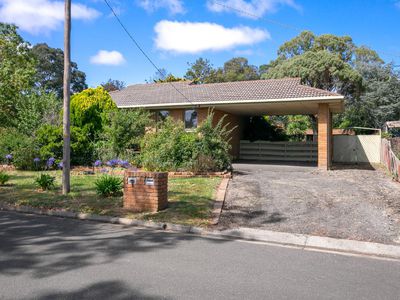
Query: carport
[[322, 108]]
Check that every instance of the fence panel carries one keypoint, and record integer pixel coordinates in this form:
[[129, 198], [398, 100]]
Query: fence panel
[[356, 148], [389, 159], [279, 151]]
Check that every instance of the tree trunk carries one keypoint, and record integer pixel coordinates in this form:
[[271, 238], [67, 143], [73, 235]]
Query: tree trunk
[[66, 187]]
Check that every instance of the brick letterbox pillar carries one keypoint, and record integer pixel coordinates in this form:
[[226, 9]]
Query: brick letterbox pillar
[[145, 191]]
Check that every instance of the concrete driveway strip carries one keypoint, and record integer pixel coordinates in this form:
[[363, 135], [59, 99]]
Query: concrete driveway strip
[[52, 258]]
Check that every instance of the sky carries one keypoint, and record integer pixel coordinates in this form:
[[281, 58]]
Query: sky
[[174, 33]]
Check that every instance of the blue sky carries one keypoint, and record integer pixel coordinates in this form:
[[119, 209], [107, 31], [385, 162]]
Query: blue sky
[[174, 32]]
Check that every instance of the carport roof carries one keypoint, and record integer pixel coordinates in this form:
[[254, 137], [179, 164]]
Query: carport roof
[[162, 95]]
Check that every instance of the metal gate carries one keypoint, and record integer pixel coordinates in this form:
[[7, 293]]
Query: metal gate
[[279, 151]]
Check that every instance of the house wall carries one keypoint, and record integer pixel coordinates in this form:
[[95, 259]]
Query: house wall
[[233, 121]]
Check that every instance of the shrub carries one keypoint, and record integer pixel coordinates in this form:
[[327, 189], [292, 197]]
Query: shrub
[[50, 143], [45, 181], [89, 109], [171, 148], [107, 186], [10, 139], [168, 148], [4, 177], [121, 136], [25, 154]]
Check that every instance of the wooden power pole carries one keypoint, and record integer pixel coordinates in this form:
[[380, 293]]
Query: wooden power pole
[[66, 186]]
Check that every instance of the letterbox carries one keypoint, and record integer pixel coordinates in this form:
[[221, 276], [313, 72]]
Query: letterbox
[[145, 191]]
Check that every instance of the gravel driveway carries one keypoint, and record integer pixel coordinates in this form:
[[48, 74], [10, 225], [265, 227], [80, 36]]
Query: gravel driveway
[[352, 203]]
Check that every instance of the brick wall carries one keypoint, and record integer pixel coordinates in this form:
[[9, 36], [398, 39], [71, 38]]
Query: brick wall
[[140, 197], [324, 136]]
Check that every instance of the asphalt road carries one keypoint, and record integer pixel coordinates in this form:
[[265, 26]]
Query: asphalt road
[[52, 258]]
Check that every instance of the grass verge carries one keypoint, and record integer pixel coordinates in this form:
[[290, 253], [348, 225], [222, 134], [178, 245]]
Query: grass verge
[[190, 199]]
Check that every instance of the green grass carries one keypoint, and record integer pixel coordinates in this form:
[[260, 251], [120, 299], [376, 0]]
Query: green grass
[[190, 199]]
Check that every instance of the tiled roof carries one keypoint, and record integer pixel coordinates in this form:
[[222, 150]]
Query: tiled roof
[[164, 94]]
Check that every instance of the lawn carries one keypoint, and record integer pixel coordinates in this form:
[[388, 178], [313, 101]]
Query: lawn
[[190, 199]]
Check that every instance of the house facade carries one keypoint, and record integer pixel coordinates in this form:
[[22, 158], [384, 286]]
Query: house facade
[[191, 103]]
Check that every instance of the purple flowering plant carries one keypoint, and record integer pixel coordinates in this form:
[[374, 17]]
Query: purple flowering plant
[[50, 162], [98, 163], [9, 158]]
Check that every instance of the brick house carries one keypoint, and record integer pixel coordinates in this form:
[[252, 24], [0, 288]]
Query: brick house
[[191, 103]]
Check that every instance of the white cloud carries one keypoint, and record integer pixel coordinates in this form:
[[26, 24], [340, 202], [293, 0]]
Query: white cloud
[[173, 6], [111, 58], [253, 9], [37, 16], [187, 37]]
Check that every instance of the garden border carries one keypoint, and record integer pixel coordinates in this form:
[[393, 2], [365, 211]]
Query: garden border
[[219, 200]]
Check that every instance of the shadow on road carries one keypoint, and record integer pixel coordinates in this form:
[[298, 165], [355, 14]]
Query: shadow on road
[[47, 246], [102, 290]]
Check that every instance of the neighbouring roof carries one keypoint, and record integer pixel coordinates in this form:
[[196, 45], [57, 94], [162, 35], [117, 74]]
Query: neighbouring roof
[[392, 124], [166, 94]]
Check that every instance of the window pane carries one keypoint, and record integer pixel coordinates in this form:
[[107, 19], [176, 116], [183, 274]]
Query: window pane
[[190, 118], [162, 115]]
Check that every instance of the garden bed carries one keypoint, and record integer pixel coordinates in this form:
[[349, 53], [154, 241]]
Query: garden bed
[[190, 199]]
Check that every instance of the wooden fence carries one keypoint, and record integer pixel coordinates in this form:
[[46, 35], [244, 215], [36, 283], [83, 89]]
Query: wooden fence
[[389, 159], [279, 151]]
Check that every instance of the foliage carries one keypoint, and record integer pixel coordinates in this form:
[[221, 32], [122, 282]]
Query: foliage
[[297, 126], [107, 186], [113, 85], [200, 71], [50, 69], [4, 177], [380, 101], [261, 128], [319, 69], [10, 139], [167, 148], [235, 69], [89, 110], [45, 181], [122, 135], [212, 146], [17, 71], [172, 148], [49, 141], [36, 109], [25, 153]]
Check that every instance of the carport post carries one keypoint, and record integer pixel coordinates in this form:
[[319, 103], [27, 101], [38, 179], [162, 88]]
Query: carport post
[[324, 136]]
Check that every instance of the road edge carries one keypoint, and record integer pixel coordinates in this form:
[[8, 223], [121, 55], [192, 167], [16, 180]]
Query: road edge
[[302, 241]]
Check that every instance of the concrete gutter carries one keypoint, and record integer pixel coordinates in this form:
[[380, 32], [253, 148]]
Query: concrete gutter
[[302, 241]]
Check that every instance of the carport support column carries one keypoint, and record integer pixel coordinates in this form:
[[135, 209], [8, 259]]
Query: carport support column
[[324, 136]]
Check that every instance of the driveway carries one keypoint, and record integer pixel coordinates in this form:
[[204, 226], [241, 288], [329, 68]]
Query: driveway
[[348, 202]]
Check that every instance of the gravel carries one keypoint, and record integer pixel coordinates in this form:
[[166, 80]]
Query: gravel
[[359, 203]]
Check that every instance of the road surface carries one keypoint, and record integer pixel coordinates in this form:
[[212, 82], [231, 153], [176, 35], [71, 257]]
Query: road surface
[[51, 258]]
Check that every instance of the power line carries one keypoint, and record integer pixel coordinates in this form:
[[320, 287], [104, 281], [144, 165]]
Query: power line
[[287, 26], [284, 25], [143, 52]]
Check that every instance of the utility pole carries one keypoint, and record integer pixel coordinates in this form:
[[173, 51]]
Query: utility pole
[[66, 186]]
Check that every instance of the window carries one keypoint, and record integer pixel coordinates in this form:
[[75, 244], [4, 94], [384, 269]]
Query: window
[[190, 119], [162, 115]]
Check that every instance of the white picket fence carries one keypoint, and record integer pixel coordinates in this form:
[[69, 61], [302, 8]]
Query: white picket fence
[[279, 151]]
